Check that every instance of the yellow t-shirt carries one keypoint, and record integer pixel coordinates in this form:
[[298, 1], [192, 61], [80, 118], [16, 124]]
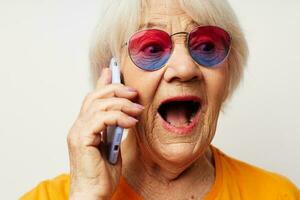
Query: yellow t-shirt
[[235, 180]]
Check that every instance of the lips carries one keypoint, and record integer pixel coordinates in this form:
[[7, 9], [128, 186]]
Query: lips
[[180, 114]]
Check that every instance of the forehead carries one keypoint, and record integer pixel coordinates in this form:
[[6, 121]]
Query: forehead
[[162, 7], [165, 14]]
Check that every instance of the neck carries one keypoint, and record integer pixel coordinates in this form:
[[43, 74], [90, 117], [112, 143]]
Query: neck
[[148, 177]]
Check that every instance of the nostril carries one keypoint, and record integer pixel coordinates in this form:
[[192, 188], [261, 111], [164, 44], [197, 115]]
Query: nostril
[[179, 79]]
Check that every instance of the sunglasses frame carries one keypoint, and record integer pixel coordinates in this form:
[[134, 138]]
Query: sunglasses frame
[[186, 45]]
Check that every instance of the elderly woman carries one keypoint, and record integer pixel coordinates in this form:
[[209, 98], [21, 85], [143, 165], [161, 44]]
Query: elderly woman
[[180, 60]]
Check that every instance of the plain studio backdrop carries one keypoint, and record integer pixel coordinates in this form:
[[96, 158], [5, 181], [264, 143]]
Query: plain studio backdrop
[[44, 78]]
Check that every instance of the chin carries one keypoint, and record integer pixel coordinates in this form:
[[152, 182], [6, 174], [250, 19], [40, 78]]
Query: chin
[[180, 154]]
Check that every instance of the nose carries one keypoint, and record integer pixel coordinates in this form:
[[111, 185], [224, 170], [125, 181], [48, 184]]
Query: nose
[[181, 67]]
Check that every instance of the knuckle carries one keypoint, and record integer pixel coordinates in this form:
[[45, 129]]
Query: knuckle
[[105, 118], [126, 101], [71, 141], [99, 115], [72, 133], [118, 87], [114, 114], [120, 102], [113, 103], [98, 105], [120, 115]]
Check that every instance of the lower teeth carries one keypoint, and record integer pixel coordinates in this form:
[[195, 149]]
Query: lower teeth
[[180, 125]]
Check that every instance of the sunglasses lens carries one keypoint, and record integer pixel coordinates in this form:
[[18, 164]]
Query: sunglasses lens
[[209, 45], [150, 49]]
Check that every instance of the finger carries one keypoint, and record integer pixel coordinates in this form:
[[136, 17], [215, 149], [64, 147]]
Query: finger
[[105, 78], [115, 103], [99, 121], [112, 90]]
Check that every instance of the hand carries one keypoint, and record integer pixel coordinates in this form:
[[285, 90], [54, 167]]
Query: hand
[[92, 177]]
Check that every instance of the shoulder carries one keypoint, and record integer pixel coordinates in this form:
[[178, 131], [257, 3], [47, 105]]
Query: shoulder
[[56, 188], [254, 180]]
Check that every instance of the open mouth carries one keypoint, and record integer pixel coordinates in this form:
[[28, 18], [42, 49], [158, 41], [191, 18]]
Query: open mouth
[[180, 112]]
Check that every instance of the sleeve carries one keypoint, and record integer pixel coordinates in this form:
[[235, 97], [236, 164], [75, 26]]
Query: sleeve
[[55, 189], [287, 190]]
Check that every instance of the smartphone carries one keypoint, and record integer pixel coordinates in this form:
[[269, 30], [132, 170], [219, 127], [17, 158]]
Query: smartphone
[[114, 133]]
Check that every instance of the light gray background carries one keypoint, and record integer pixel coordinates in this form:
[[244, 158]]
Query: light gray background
[[44, 78]]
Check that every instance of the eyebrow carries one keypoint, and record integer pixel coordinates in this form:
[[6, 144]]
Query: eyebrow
[[153, 24]]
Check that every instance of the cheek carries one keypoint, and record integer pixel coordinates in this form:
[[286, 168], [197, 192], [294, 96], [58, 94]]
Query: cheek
[[144, 82], [216, 83]]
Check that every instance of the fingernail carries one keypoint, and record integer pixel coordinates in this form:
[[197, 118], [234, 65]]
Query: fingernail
[[139, 106], [131, 89], [133, 119]]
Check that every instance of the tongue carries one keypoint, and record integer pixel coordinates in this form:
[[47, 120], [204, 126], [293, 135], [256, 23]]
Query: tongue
[[177, 116]]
